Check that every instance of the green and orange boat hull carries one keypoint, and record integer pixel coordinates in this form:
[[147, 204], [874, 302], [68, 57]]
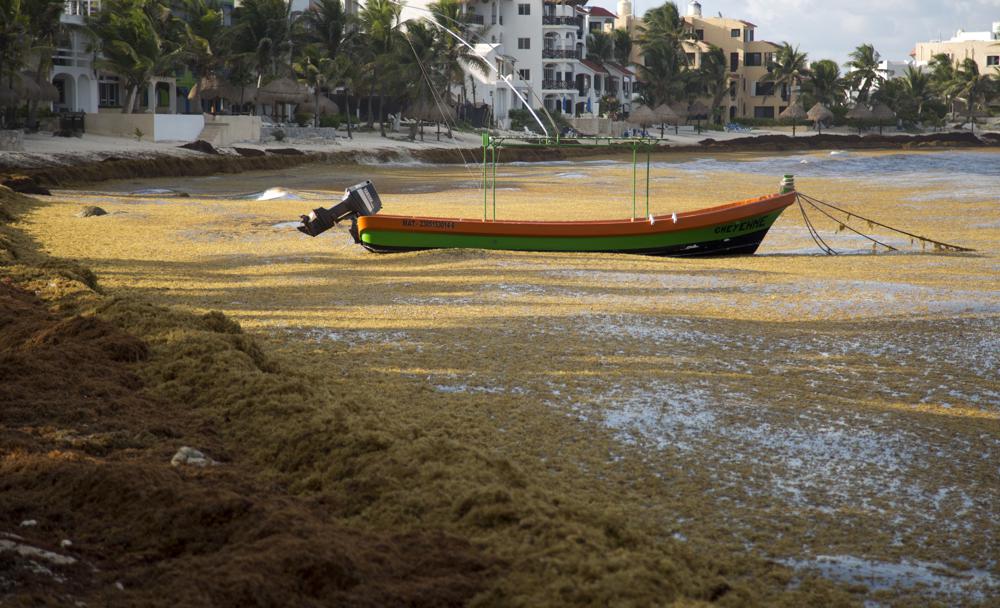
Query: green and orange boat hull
[[732, 229]]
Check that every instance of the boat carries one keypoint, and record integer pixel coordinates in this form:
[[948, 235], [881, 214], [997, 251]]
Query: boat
[[735, 228]]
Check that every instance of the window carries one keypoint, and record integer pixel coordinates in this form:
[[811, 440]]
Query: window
[[734, 62], [765, 88], [753, 59], [690, 58], [523, 9], [993, 60], [734, 33], [699, 34], [108, 93], [763, 112], [524, 43], [749, 35], [524, 74]]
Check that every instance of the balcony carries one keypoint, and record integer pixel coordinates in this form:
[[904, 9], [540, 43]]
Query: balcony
[[475, 19], [558, 85], [554, 21], [75, 11], [560, 54]]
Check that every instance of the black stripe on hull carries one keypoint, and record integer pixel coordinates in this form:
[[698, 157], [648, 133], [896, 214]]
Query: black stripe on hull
[[745, 244]]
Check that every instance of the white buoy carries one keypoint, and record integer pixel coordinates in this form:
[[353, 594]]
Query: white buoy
[[673, 216], [652, 220]]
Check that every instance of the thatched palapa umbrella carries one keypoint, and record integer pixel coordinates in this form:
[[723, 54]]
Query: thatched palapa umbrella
[[665, 115], [794, 112], [861, 114], [642, 116], [818, 113], [326, 107], [424, 110], [882, 113], [699, 112], [681, 110], [215, 87]]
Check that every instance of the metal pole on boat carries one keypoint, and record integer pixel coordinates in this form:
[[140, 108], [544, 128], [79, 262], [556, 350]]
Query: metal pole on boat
[[486, 141], [633, 179], [647, 180], [494, 154]]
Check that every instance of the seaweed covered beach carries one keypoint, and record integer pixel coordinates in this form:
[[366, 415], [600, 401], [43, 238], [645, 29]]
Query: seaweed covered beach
[[465, 427]]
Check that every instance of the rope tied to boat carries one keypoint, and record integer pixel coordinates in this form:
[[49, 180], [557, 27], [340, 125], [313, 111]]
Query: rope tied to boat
[[842, 217]]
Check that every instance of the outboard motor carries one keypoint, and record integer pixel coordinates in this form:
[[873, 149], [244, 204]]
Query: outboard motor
[[359, 199]]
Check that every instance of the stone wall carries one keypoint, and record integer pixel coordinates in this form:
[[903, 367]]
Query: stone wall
[[301, 132], [11, 141]]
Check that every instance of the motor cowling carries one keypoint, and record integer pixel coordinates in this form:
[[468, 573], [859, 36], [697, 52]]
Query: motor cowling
[[359, 199]]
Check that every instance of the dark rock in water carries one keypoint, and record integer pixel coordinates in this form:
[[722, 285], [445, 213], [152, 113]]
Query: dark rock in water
[[249, 152], [112, 159], [285, 151], [201, 146], [23, 184], [993, 138], [90, 211]]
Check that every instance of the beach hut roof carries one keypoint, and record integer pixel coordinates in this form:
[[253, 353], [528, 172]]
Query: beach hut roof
[[882, 112], [28, 88], [793, 112], [214, 86], [698, 110], [282, 90], [643, 116], [680, 109], [326, 106], [819, 112], [859, 112], [432, 112], [665, 113]]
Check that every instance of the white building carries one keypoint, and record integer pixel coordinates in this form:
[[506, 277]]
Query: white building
[[84, 88], [541, 46], [892, 69]]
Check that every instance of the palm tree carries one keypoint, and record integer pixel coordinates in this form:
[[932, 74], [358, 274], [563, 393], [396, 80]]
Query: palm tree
[[824, 83], [380, 24], [863, 70], [971, 87], [663, 76], [788, 70], [942, 75], [314, 70], [918, 87], [346, 73], [326, 24], [262, 35], [600, 46], [662, 25], [13, 47], [713, 75], [43, 28], [456, 57], [204, 40], [622, 43], [664, 60], [133, 42]]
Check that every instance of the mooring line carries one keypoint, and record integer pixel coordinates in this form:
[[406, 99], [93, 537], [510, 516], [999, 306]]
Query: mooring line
[[812, 200], [859, 233], [812, 231]]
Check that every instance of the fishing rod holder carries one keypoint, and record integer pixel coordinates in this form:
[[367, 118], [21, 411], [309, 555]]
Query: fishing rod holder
[[359, 199]]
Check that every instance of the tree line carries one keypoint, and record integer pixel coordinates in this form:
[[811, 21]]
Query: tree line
[[917, 97], [370, 56]]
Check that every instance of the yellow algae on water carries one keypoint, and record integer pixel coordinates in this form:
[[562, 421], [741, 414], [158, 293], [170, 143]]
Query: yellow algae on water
[[795, 404]]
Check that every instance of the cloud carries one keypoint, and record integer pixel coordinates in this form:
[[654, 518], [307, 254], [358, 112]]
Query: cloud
[[832, 30]]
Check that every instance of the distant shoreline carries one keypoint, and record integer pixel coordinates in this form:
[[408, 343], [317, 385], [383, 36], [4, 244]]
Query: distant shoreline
[[77, 168]]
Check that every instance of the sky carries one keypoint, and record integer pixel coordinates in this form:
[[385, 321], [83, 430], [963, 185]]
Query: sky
[[830, 29]]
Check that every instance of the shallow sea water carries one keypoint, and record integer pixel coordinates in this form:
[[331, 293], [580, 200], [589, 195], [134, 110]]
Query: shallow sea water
[[840, 413]]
